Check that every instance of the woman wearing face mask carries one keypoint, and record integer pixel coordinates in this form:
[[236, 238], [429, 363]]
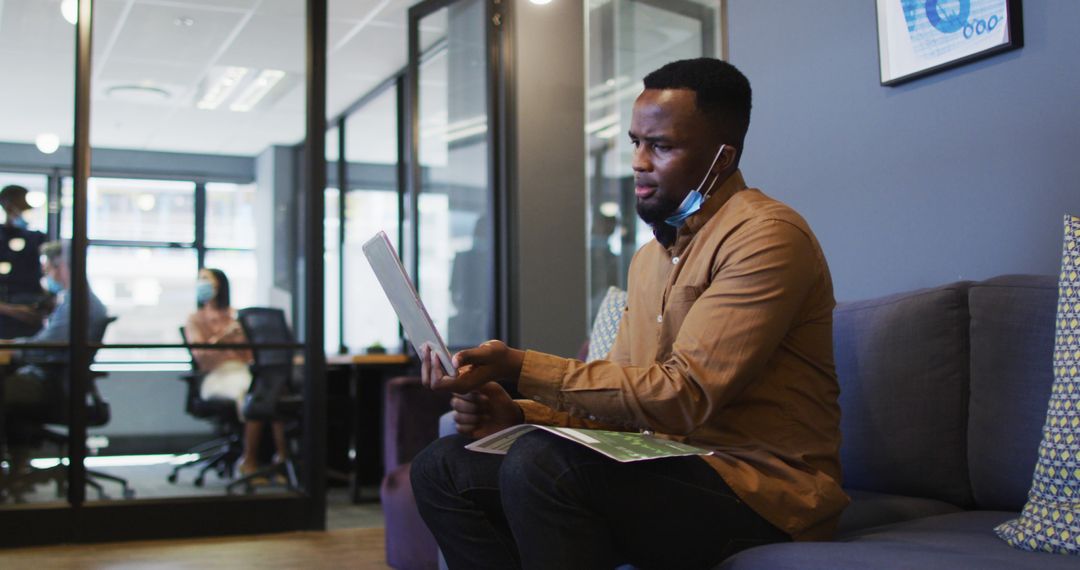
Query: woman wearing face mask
[[227, 370]]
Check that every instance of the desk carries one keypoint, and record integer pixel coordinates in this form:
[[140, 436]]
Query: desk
[[367, 374]]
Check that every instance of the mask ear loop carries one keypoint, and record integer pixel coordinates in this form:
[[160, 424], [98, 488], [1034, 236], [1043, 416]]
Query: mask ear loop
[[716, 177]]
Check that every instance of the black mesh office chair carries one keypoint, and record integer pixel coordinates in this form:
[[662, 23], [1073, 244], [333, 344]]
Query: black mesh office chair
[[274, 394], [98, 413], [223, 451]]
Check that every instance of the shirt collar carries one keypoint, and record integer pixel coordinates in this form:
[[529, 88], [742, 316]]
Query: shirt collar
[[712, 204]]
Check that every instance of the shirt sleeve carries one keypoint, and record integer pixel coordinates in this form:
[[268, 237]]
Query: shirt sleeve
[[57, 326], [729, 334]]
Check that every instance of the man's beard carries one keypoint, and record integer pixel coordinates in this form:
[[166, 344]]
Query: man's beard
[[653, 211]]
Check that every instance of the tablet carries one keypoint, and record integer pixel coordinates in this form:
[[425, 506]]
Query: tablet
[[402, 295]]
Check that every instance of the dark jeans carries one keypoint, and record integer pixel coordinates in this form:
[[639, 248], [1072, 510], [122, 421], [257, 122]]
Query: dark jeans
[[550, 503]]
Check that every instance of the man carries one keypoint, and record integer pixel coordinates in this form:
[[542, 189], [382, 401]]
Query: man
[[726, 344], [22, 302], [31, 391]]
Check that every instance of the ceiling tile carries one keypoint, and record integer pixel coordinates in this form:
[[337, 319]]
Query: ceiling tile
[[269, 42], [150, 33]]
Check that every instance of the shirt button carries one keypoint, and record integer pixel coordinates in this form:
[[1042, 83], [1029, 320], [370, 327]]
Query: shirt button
[[675, 260], [659, 318]]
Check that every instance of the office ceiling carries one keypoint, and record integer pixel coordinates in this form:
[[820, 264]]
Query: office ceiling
[[154, 60]]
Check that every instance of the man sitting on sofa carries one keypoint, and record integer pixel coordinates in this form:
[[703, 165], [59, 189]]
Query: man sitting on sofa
[[726, 343]]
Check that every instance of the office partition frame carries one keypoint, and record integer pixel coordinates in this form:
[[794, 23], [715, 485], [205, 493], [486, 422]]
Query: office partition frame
[[497, 38], [79, 521]]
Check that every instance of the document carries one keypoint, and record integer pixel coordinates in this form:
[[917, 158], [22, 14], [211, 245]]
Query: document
[[621, 446]]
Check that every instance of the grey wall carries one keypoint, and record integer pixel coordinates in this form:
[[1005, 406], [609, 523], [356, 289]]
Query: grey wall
[[147, 404], [548, 278], [962, 175]]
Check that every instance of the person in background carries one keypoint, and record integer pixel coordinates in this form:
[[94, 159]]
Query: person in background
[[32, 392], [227, 373], [23, 305]]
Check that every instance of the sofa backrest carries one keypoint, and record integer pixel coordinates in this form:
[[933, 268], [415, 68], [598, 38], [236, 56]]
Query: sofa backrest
[[902, 363], [1012, 343]]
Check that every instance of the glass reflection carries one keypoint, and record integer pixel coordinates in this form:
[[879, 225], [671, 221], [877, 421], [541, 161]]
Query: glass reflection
[[617, 60], [456, 259]]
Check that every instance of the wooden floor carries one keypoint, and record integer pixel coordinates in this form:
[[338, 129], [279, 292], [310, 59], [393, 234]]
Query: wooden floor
[[358, 548]]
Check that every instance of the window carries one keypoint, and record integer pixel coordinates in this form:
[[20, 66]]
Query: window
[[143, 256]]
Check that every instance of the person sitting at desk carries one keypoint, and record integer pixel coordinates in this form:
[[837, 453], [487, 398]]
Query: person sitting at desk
[[228, 375], [31, 391]]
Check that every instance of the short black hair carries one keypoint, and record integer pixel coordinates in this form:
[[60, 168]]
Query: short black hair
[[221, 299], [722, 93]]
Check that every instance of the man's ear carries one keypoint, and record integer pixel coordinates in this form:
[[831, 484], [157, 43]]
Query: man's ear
[[726, 162]]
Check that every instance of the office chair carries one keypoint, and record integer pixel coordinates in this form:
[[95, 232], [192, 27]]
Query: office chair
[[222, 452], [98, 413], [273, 395]]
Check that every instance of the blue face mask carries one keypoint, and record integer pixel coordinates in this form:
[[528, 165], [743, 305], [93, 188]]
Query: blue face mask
[[204, 291], [19, 223], [52, 285], [694, 198]]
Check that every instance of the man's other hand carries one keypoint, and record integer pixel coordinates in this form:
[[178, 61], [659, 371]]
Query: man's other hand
[[489, 362], [485, 411]]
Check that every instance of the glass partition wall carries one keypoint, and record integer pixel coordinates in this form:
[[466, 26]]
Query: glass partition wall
[[37, 54], [198, 114], [626, 40]]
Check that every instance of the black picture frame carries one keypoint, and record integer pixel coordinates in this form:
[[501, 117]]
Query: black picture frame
[[996, 26]]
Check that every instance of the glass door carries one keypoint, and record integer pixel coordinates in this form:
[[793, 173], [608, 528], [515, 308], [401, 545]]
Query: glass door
[[451, 218], [627, 40]]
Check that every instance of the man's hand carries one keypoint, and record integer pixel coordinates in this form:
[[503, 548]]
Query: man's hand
[[489, 362], [485, 411], [23, 313]]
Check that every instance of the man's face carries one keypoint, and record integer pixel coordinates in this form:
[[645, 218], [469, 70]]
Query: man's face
[[58, 271], [673, 147]]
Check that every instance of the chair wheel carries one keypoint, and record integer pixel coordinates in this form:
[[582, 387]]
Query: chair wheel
[[172, 478], [199, 481]]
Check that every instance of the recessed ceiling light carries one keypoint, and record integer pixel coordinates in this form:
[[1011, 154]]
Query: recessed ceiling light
[[184, 21], [255, 91], [69, 9], [540, 2], [137, 93], [47, 142], [221, 85]]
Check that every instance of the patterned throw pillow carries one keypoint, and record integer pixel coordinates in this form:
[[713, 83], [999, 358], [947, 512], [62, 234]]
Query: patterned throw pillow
[[1050, 521], [606, 324]]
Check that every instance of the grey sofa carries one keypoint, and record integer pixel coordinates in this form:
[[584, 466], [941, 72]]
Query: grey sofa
[[943, 394]]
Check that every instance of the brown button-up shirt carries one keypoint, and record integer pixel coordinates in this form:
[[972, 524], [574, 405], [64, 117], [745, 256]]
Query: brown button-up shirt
[[725, 343]]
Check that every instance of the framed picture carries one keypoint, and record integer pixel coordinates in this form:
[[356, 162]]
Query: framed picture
[[920, 37]]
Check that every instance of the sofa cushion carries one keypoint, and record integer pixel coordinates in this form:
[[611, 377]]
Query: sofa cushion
[[410, 419], [1012, 339], [954, 541], [869, 509], [902, 363], [606, 324], [1050, 520], [409, 543]]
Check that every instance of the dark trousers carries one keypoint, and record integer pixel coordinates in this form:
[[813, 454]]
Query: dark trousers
[[550, 503]]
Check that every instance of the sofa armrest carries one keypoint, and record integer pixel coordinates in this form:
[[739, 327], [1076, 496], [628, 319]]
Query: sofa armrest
[[410, 419]]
